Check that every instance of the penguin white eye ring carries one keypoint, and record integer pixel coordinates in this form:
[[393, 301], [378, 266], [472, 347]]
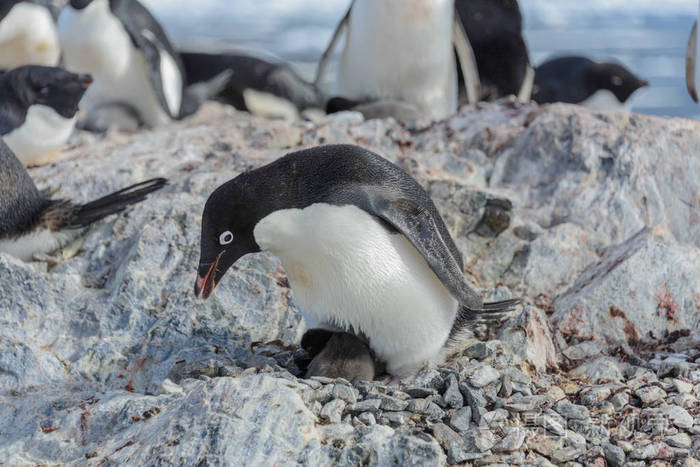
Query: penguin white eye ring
[[225, 238]]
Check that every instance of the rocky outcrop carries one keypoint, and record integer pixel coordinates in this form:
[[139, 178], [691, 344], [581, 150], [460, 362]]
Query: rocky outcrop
[[594, 218]]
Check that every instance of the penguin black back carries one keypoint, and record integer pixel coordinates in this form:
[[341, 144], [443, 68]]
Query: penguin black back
[[494, 28], [574, 79], [21, 203]]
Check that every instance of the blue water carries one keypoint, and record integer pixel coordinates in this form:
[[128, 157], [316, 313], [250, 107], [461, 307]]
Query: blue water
[[648, 36]]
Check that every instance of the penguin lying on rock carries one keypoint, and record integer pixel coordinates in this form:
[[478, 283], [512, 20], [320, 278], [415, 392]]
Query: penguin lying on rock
[[363, 245], [134, 65], [256, 85], [38, 108], [32, 224]]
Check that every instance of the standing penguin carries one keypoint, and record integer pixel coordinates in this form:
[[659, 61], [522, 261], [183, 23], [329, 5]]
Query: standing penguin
[[131, 59], [364, 247], [403, 50], [579, 80], [692, 61], [28, 34], [38, 107], [495, 31], [31, 224]]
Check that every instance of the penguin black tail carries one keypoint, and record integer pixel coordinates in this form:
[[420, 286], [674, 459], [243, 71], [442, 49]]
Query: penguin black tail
[[81, 216], [490, 313]]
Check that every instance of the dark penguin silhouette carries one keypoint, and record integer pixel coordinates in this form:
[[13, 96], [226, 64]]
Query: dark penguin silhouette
[[495, 31], [256, 85], [580, 80], [38, 107], [692, 62], [364, 247], [31, 223], [28, 34], [131, 59]]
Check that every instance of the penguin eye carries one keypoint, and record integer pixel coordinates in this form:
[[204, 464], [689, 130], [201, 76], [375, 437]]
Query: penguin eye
[[44, 91], [225, 238], [616, 80]]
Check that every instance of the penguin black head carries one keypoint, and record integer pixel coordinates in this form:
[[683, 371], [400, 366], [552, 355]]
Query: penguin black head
[[616, 79], [80, 4], [49, 86], [228, 221]]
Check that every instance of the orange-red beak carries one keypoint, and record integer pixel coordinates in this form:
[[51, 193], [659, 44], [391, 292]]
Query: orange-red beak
[[204, 286]]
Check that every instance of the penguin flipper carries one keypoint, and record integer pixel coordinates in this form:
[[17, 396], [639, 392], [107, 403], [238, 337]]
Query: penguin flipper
[[690, 62], [197, 94], [466, 59], [420, 227], [328, 53], [86, 214]]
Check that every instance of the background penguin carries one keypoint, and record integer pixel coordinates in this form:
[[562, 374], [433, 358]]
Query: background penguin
[[32, 224], [340, 355], [403, 50], [579, 80], [495, 31], [38, 107], [28, 34], [364, 247], [132, 61], [692, 62], [256, 85], [399, 110]]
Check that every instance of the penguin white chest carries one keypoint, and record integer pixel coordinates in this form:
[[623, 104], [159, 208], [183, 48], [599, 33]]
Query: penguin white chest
[[401, 50], [604, 99], [95, 41], [28, 36], [43, 133], [40, 241], [348, 270]]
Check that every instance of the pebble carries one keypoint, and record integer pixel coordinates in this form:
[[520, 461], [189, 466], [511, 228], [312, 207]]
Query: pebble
[[514, 438], [368, 405], [417, 405], [483, 376], [563, 455], [479, 440], [582, 351], [614, 455], [453, 397], [657, 451], [419, 393], [395, 418], [679, 440], [594, 395], [522, 404], [346, 393], [494, 417], [473, 397], [367, 418], [391, 403], [679, 416], [434, 412], [682, 386], [332, 412], [620, 400], [593, 433], [650, 394], [461, 419]]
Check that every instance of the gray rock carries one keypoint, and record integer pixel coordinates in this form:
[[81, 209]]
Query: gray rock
[[650, 395], [332, 412], [483, 376], [679, 440], [620, 400], [478, 439], [614, 455], [514, 438], [596, 394], [530, 338], [453, 398], [367, 418], [461, 419], [473, 397], [678, 416], [582, 351], [657, 451], [391, 403], [368, 405], [346, 393], [601, 369], [394, 418]]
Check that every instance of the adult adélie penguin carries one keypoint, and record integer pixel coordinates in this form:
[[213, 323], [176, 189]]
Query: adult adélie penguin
[[402, 50], [28, 34], [33, 224], [133, 63], [363, 245]]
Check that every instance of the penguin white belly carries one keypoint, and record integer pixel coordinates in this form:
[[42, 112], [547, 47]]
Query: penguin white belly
[[28, 36], [402, 50], [38, 242], [604, 100], [349, 271], [43, 133], [94, 41]]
